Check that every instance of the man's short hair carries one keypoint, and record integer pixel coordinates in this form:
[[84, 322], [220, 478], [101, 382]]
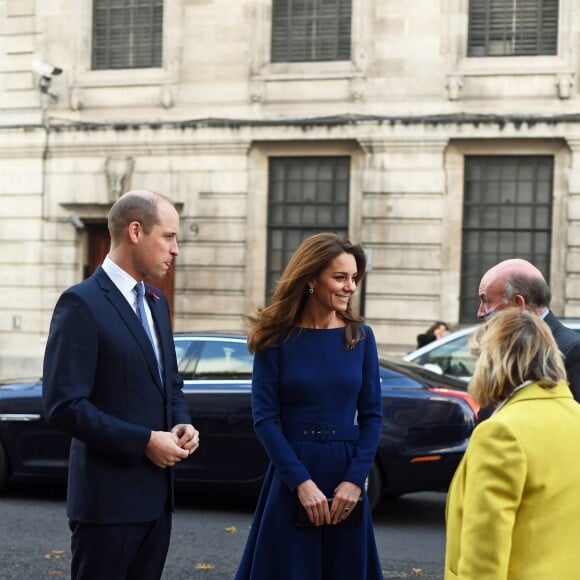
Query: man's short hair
[[535, 291]]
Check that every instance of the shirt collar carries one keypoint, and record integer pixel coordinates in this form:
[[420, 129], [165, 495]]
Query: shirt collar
[[518, 388], [123, 281]]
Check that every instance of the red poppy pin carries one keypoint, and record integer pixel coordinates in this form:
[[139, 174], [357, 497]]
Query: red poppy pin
[[152, 294]]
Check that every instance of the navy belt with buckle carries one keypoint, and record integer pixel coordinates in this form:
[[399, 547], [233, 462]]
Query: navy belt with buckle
[[320, 432]]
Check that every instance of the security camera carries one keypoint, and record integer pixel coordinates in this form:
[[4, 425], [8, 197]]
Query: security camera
[[45, 70]]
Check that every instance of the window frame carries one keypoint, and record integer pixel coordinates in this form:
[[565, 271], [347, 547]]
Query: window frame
[[257, 210], [284, 80], [103, 38], [487, 75], [491, 30], [287, 229], [455, 153], [290, 32], [84, 78], [501, 176]]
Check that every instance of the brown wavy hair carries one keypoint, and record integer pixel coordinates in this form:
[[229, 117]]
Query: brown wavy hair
[[514, 346], [280, 317]]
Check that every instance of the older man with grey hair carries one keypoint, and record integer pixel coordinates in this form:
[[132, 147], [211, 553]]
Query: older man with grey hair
[[517, 282]]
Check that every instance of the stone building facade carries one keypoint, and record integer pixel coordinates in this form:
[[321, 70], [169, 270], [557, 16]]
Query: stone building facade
[[440, 148]]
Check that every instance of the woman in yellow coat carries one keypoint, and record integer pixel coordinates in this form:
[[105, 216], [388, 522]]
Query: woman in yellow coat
[[513, 508]]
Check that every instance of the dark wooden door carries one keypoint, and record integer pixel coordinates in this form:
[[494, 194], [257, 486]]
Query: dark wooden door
[[98, 247]]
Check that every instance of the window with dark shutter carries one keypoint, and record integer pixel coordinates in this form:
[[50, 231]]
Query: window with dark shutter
[[513, 28], [311, 30], [507, 213], [306, 195], [127, 34]]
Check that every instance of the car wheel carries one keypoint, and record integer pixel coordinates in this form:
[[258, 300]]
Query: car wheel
[[374, 486], [4, 471]]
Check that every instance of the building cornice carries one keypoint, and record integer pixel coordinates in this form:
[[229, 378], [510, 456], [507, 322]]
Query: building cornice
[[475, 119], [236, 136]]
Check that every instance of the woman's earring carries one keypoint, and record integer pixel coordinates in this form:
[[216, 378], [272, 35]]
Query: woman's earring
[[310, 290]]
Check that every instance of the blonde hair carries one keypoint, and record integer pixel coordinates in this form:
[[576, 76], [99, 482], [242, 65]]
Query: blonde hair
[[291, 292], [514, 346]]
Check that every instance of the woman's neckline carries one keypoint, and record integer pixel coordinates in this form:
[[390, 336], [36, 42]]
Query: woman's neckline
[[314, 328]]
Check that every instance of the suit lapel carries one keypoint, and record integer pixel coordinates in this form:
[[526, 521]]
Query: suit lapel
[[130, 319]]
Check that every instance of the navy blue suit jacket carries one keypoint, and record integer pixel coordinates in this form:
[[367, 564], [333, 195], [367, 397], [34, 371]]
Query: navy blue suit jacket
[[568, 342], [101, 384]]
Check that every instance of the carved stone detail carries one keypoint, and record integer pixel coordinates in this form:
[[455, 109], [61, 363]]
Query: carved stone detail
[[564, 82], [75, 97], [256, 90], [167, 96], [119, 171], [358, 88], [454, 85]]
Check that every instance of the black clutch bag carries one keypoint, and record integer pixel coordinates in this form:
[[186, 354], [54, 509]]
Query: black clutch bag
[[355, 516]]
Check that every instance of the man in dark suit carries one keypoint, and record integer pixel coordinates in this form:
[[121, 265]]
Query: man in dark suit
[[111, 382], [517, 282]]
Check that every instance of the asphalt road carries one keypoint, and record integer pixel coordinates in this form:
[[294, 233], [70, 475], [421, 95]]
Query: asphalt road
[[209, 533]]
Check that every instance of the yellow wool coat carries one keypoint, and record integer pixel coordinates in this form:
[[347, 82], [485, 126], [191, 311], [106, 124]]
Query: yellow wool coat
[[513, 508]]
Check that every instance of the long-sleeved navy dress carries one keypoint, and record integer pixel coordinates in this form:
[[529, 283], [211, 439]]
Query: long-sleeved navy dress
[[307, 394]]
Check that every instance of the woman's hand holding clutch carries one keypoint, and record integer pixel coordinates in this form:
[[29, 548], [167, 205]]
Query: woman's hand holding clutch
[[314, 503], [346, 500]]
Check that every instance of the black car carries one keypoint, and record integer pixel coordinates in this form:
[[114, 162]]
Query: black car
[[428, 419]]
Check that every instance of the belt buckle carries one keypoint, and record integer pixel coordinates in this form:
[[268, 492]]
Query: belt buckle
[[322, 431]]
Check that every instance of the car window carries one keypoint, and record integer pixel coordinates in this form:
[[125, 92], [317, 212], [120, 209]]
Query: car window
[[224, 360], [453, 358], [187, 353]]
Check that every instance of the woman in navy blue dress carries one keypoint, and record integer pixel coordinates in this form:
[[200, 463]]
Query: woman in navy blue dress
[[316, 400]]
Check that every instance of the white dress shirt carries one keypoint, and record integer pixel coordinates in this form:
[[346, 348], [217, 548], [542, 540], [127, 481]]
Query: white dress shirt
[[126, 285]]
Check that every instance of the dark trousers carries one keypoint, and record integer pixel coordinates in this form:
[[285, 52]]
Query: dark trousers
[[120, 551]]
